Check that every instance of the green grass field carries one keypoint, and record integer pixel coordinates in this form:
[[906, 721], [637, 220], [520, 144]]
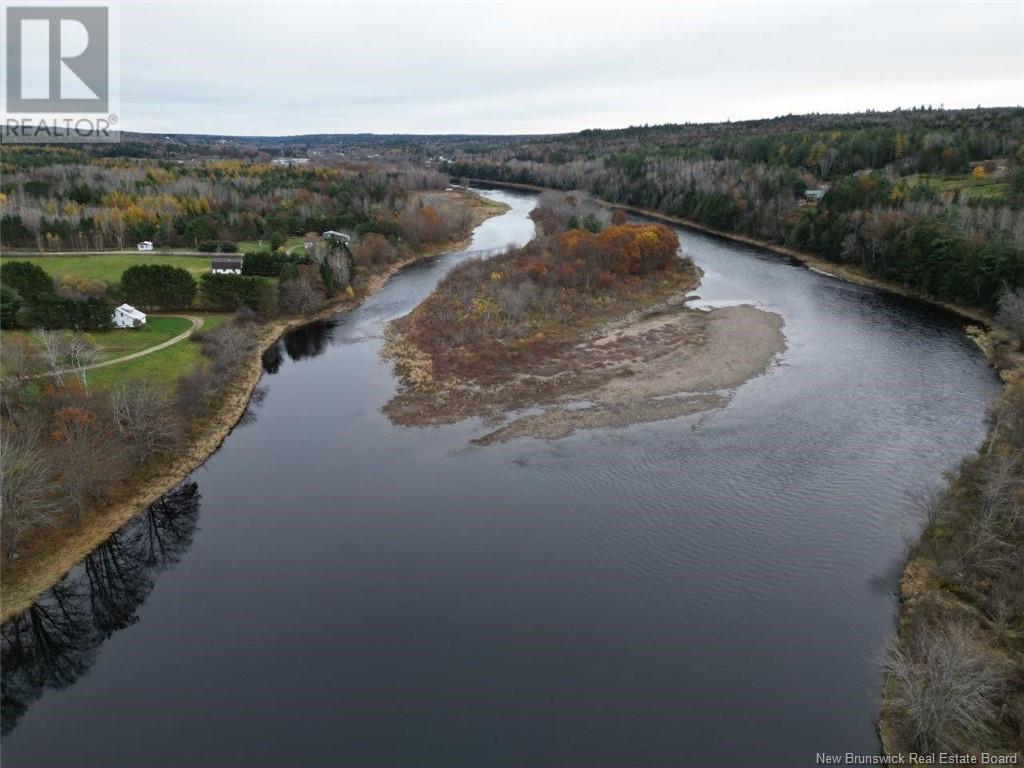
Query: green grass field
[[293, 244], [164, 367], [970, 187], [248, 246], [124, 341], [109, 267]]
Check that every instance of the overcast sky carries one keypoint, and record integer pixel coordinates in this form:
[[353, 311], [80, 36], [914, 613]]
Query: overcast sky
[[519, 67]]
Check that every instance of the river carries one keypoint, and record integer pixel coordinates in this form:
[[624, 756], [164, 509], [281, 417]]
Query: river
[[329, 589]]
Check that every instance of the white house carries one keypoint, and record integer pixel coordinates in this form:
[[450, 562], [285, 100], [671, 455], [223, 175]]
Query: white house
[[127, 316], [332, 234], [145, 245], [226, 265]]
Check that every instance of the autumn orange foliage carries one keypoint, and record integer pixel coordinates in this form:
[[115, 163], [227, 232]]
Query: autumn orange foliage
[[553, 279]]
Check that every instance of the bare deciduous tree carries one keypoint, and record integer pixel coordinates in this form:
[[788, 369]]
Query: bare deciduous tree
[[67, 353], [20, 363], [88, 453], [50, 345], [80, 352], [145, 419], [228, 346], [195, 389], [946, 688], [933, 503], [301, 294], [1011, 310], [26, 473]]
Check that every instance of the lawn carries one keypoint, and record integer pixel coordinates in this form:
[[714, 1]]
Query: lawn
[[969, 186], [164, 367], [249, 246], [293, 244], [124, 341], [108, 267]]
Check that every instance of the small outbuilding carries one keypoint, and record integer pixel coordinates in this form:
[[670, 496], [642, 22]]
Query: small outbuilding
[[226, 265], [145, 245], [127, 316]]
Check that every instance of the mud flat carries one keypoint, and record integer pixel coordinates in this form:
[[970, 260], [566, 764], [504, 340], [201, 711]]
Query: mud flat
[[654, 363]]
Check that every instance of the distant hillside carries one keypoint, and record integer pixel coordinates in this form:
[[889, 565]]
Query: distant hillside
[[927, 198]]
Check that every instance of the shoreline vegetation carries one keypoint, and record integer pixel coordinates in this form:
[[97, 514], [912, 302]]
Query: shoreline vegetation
[[954, 672], [589, 321], [925, 199], [960, 632], [839, 271], [46, 554]]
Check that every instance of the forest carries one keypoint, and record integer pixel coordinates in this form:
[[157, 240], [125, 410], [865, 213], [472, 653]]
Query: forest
[[69, 199], [927, 198], [69, 447]]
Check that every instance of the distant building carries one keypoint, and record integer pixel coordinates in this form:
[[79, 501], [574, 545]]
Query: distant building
[[127, 316], [145, 245], [226, 265], [289, 161], [815, 195], [332, 234]]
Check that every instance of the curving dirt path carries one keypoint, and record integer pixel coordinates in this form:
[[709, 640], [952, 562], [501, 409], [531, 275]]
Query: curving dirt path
[[197, 323]]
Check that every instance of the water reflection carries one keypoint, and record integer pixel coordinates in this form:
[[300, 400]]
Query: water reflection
[[57, 640], [272, 358], [310, 340], [256, 398], [715, 593]]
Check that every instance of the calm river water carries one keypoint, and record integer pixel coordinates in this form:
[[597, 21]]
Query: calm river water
[[705, 591]]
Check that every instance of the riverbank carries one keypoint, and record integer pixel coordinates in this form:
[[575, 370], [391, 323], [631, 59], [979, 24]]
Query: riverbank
[[633, 355], [48, 554], [839, 271], [960, 588], [961, 622]]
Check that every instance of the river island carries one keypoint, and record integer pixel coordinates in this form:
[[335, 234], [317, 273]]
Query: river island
[[587, 326]]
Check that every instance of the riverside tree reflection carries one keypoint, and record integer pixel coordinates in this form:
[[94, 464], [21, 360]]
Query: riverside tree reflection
[[309, 340], [55, 641]]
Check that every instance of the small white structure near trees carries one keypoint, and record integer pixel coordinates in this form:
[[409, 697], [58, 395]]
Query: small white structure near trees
[[127, 316], [333, 234], [145, 245]]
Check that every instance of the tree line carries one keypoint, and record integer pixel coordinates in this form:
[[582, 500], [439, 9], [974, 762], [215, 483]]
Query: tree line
[[750, 178], [48, 202]]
